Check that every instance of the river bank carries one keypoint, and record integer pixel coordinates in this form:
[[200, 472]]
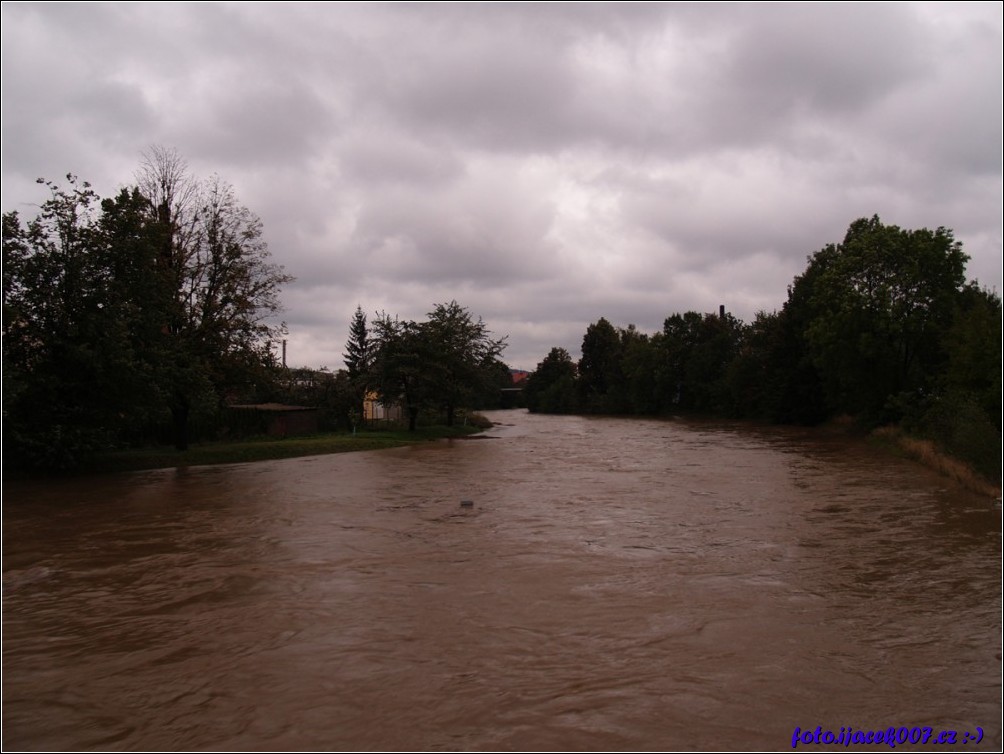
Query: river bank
[[891, 440], [927, 454], [261, 449], [895, 441]]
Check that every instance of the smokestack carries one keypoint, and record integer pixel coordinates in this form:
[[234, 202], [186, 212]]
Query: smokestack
[[284, 350], [721, 313]]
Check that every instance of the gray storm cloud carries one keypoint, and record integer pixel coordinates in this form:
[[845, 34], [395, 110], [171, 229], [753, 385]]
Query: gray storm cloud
[[544, 165]]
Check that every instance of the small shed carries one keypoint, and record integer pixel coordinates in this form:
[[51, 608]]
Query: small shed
[[274, 419]]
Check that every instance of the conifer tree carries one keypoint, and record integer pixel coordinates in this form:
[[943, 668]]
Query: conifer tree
[[358, 359], [357, 349]]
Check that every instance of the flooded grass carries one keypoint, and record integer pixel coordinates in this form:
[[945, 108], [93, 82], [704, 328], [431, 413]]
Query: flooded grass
[[267, 448], [928, 454]]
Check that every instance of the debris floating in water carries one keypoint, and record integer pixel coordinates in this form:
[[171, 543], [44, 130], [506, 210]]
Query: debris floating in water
[[466, 503]]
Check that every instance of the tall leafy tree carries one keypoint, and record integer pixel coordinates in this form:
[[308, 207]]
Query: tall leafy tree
[[80, 341], [962, 414], [764, 370], [698, 349], [640, 366], [600, 375], [489, 394], [401, 360], [796, 387], [551, 388], [115, 311], [465, 354], [224, 288], [973, 346], [444, 363], [881, 302], [718, 340]]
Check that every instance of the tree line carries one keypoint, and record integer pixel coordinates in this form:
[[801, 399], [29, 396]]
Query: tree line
[[133, 317], [137, 319], [882, 327], [432, 369], [140, 319], [445, 363]]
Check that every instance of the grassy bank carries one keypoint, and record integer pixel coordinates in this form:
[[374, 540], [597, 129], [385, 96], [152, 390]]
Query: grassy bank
[[894, 440], [266, 448], [928, 454]]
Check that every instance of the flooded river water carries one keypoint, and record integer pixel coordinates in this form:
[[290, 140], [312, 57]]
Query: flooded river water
[[617, 584]]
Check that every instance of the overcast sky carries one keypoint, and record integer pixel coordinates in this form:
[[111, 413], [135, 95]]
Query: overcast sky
[[544, 165]]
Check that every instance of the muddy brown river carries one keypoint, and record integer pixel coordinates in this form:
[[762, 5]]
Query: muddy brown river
[[617, 585]]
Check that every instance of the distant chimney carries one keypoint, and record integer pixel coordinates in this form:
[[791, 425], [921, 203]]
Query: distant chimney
[[284, 350], [721, 311]]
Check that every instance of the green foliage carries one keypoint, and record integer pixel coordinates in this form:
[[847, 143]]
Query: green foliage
[[772, 377], [465, 356], [881, 326], [552, 387], [120, 311], [358, 358], [973, 346], [488, 395], [641, 367], [333, 394], [959, 426], [697, 351], [357, 348], [962, 415], [749, 375], [601, 379], [79, 337], [402, 356], [442, 364], [224, 290], [880, 306]]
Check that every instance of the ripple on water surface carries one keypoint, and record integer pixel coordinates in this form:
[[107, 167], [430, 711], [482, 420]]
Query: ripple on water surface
[[616, 584]]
